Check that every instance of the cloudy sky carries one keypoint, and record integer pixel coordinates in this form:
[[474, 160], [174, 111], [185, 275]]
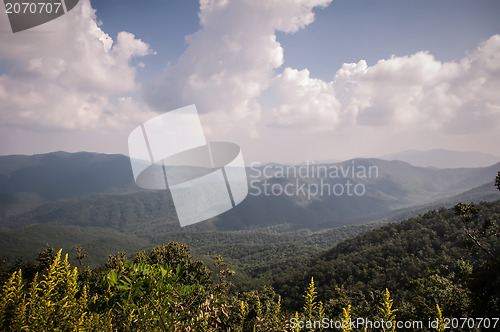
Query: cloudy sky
[[288, 80]]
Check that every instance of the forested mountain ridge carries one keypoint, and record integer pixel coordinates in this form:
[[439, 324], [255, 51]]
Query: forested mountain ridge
[[408, 257], [108, 223]]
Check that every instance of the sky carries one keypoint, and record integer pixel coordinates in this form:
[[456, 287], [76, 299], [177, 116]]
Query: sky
[[287, 80]]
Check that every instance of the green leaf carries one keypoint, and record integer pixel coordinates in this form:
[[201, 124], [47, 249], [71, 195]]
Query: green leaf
[[113, 278]]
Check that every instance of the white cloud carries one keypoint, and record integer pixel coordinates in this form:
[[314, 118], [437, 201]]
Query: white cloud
[[419, 91], [230, 61], [68, 75], [71, 75], [304, 102], [230, 70], [414, 91]]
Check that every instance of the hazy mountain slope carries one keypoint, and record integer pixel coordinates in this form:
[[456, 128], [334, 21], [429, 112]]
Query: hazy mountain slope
[[484, 193], [487, 192], [149, 212], [427, 184], [18, 203], [62, 175], [102, 210], [393, 185], [99, 242], [397, 185], [444, 158]]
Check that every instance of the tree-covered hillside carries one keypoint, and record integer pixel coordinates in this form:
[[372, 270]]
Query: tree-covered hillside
[[421, 270], [425, 260]]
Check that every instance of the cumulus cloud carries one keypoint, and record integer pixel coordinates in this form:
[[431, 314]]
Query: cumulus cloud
[[304, 102], [69, 75], [414, 91], [231, 67], [418, 90], [231, 60]]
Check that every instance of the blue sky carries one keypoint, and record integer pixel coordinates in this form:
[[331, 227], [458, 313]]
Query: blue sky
[[345, 31], [286, 80], [352, 30]]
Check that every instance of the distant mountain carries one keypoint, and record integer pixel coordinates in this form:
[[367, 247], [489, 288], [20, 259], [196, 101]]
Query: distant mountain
[[32, 186], [62, 175], [105, 212], [444, 158], [397, 186]]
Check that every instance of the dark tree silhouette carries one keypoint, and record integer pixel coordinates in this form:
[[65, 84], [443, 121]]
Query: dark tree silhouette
[[497, 180]]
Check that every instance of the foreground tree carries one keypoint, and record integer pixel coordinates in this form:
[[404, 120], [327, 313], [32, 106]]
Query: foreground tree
[[483, 233], [497, 180]]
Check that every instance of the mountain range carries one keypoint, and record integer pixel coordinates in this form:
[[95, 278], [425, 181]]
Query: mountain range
[[69, 198], [99, 190]]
